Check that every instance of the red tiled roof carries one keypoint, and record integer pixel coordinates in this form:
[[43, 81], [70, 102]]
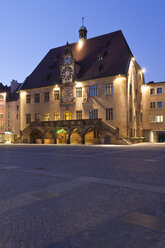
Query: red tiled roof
[[112, 46]]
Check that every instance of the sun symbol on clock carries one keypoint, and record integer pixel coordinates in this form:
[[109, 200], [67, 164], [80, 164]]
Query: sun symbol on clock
[[67, 73]]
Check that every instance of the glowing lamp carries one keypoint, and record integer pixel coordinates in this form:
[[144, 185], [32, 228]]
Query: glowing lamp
[[80, 43]]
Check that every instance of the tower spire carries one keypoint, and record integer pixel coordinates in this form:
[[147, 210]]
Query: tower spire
[[83, 31], [83, 21]]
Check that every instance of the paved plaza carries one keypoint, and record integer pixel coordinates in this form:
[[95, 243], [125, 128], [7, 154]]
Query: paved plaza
[[67, 196]]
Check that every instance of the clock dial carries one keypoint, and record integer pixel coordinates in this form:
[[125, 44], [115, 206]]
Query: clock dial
[[67, 73], [67, 60]]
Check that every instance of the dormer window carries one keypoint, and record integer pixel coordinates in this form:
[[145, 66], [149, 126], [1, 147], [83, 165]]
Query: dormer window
[[100, 58], [96, 71]]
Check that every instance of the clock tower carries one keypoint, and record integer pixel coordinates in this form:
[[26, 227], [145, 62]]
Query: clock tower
[[83, 31], [67, 68], [67, 75]]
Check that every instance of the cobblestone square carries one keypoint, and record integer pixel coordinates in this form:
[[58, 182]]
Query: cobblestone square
[[75, 196]]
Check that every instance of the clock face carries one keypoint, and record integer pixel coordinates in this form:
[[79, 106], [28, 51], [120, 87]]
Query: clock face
[[67, 73], [67, 60]]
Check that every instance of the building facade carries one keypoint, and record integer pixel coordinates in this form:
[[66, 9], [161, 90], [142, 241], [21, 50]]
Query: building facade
[[86, 92], [154, 112], [2, 112], [9, 113]]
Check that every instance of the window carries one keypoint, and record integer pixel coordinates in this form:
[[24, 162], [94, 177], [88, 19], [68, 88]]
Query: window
[[93, 114], [37, 117], [109, 89], [130, 90], [79, 114], [159, 105], [1, 97], [56, 95], [28, 118], [28, 99], [56, 116], [109, 114], [17, 116], [46, 117], [136, 95], [79, 92], [100, 57], [159, 91], [93, 91], [17, 107], [96, 71], [37, 97], [152, 105], [156, 118], [1, 116], [68, 116], [1, 126], [46, 97], [152, 91], [130, 114]]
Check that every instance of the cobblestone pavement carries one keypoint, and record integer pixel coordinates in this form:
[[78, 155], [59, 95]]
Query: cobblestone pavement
[[82, 196]]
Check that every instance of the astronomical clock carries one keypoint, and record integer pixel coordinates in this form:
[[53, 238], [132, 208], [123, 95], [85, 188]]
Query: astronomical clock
[[67, 94], [67, 75]]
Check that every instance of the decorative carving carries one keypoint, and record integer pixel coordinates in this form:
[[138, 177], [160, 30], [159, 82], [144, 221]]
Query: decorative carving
[[67, 94]]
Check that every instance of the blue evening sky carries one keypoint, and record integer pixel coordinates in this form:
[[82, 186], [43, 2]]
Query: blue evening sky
[[30, 28]]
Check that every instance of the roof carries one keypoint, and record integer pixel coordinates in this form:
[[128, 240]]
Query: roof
[[3, 88], [14, 96], [152, 82], [117, 55]]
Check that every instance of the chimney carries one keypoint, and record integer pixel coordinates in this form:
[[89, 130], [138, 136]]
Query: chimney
[[14, 85]]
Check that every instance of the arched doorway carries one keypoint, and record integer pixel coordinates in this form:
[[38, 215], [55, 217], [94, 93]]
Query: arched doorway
[[48, 137], [76, 137], [36, 137], [92, 136], [61, 136], [107, 139]]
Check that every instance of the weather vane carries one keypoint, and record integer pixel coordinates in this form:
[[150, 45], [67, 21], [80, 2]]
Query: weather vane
[[82, 21]]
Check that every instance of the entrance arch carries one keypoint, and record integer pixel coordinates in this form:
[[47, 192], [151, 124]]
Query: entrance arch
[[48, 137], [61, 136], [36, 137], [76, 137], [92, 136]]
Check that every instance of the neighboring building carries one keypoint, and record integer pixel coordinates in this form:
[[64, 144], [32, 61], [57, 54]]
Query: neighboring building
[[3, 90], [85, 92], [154, 111], [9, 113], [12, 113]]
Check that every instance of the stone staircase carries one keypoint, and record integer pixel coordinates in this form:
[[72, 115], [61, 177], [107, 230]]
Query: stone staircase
[[115, 131]]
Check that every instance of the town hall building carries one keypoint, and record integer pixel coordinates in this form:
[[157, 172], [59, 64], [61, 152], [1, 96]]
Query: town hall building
[[87, 92]]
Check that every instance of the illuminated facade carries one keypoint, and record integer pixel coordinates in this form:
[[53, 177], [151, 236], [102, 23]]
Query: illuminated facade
[[2, 112], [153, 111], [9, 113], [85, 92]]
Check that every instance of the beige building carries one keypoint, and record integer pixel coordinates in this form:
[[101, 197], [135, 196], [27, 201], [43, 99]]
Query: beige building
[[12, 113], [85, 92], [153, 111], [2, 112]]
